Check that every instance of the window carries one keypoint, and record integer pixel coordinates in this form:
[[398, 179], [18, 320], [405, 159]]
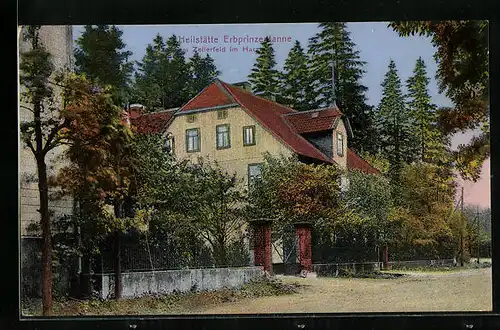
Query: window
[[340, 144], [223, 140], [193, 140], [169, 144], [222, 114], [249, 135], [254, 173], [191, 118]]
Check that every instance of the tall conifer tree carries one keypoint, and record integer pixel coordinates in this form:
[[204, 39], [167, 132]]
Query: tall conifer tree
[[296, 83], [203, 71], [264, 77], [333, 44], [163, 78], [101, 55], [427, 136], [394, 123]]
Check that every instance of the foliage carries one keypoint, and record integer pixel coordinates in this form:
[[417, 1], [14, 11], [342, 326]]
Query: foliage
[[295, 80], [424, 203], [100, 172], [203, 71], [190, 200], [290, 191], [369, 196], [101, 56], [264, 77], [394, 124], [377, 161], [165, 79], [333, 44], [429, 141], [462, 56]]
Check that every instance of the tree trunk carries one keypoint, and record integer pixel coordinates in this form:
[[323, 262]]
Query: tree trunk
[[46, 237]]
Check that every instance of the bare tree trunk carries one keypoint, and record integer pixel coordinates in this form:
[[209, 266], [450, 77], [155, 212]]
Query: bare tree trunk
[[46, 237]]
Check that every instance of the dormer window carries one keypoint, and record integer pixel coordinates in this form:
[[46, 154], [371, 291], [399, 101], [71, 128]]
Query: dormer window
[[222, 114], [314, 115], [340, 144]]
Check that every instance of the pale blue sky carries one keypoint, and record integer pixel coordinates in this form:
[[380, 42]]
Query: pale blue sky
[[377, 45]]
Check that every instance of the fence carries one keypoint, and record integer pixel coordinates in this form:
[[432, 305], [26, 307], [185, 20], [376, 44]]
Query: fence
[[332, 254], [346, 268], [421, 263]]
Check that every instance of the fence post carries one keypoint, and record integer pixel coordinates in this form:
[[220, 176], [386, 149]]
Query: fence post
[[303, 231], [386, 257], [262, 243]]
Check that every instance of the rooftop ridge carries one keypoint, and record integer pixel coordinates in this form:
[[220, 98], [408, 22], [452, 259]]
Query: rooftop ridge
[[257, 96], [315, 110]]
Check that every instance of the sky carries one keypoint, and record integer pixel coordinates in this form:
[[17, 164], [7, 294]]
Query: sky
[[231, 48]]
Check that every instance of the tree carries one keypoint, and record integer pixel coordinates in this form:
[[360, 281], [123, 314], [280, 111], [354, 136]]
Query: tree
[[290, 191], [147, 85], [101, 56], [41, 135], [217, 208], [100, 174], [203, 72], [428, 138], [163, 77], [394, 123], [264, 77], [333, 46], [462, 56], [296, 85], [430, 226], [368, 195]]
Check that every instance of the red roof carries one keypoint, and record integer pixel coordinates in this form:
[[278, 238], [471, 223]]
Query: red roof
[[210, 96], [269, 114], [153, 122], [357, 163], [314, 121]]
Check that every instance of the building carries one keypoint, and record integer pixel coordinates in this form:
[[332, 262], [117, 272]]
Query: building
[[230, 125], [234, 127]]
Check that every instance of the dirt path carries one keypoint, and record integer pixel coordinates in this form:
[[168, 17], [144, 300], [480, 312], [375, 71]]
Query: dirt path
[[468, 290]]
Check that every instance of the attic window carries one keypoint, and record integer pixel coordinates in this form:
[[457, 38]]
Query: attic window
[[191, 118], [222, 114], [314, 115]]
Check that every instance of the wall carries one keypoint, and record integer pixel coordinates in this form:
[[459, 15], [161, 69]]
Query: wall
[[341, 160], [322, 140], [236, 158], [137, 284]]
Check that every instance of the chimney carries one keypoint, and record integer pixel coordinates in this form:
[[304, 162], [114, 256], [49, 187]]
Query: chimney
[[136, 110]]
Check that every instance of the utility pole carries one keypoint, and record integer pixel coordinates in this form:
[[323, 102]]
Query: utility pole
[[334, 103], [478, 233], [462, 228]]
